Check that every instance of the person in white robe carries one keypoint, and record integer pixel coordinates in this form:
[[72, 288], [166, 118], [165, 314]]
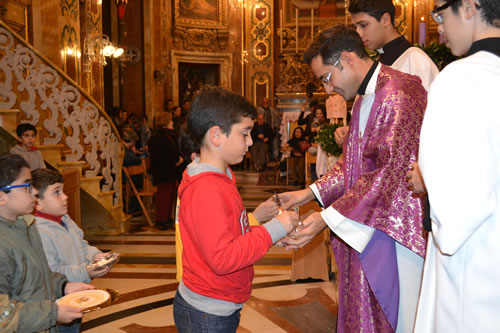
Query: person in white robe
[[374, 22], [460, 288]]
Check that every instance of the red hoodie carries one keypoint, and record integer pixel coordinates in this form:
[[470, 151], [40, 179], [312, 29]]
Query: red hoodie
[[219, 245]]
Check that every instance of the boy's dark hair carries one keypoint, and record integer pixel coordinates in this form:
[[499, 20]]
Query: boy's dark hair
[[10, 168], [23, 128], [43, 178], [186, 144], [374, 8], [216, 106], [331, 42], [130, 136], [489, 9]]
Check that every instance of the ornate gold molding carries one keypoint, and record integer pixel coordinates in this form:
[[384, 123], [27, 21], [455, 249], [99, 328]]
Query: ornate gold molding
[[208, 40]]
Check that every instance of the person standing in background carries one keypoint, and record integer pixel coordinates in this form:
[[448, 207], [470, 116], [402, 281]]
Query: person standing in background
[[460, 282], [273, 119]]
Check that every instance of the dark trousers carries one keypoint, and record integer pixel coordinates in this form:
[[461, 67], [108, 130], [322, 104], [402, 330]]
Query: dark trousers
[[165, 200]]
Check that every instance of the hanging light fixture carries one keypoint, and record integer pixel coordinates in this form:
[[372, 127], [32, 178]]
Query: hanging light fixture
[[121, 6], [97, 48]]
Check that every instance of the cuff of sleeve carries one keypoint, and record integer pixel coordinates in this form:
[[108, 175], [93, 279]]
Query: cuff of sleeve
[[63, 287], [355, 234], [275, 229], [315, 191]]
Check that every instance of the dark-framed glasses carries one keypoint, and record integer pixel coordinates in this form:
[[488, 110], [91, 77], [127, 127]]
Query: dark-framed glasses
[[326, 78], [435, 12], [6, 189]]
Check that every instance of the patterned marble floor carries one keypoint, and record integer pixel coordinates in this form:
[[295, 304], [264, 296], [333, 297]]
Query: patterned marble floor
[[145, 279]]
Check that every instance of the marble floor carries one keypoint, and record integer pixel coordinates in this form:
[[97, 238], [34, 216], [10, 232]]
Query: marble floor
[[145, 280]]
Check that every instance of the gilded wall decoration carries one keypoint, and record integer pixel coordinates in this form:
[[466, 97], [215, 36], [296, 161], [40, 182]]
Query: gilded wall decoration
[[295, 76], [69, 8], [260, 32], [205, 40]]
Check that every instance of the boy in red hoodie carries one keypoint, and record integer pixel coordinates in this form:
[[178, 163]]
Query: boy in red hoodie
[[220, 247]]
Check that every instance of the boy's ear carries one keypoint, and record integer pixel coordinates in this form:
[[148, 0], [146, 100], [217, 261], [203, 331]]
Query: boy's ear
[[215, 134], [3, 198], [386, 19]]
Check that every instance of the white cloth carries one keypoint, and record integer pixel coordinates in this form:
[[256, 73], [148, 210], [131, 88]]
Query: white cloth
[[460, 291], [416, 62], [358, 235]]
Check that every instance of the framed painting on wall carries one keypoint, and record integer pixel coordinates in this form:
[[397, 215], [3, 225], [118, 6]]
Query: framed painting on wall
[[201, 13]]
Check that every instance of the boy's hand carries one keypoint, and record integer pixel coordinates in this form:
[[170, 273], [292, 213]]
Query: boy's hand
[[266, 210], [289, 220], [96, 271], [66, 314], [100, 255], [72, 287]]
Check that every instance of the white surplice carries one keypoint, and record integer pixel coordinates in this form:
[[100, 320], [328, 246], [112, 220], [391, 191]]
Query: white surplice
[[416, 62], [460, 162]]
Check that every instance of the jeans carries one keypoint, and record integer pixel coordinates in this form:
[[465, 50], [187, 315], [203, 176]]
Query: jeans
[[73, 327], [188, 319]]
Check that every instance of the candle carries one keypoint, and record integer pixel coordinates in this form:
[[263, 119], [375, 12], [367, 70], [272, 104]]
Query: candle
[[296, 30], [312, 24], [281, 31], [422, 32]]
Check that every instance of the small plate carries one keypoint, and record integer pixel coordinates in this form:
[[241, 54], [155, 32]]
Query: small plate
[[86, 300], [108, 260]]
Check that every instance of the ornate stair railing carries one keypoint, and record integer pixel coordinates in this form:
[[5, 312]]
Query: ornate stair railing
[[62, 111]]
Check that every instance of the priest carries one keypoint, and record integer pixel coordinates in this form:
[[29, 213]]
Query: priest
[[376, 221]]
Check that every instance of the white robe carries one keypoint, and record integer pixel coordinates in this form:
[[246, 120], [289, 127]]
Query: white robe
[[416, 62], [460, 162]]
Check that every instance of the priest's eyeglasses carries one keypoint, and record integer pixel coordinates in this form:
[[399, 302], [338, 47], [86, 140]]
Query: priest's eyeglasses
[[325, 79], [435, 13], [6, 189]]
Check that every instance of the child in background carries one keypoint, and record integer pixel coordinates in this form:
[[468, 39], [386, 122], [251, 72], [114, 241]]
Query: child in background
[[264, 212], [26, 134], [220, 247], [66, 250], [28, 289]]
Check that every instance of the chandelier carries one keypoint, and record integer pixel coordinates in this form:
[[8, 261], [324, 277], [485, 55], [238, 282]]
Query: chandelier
[[96, 48]]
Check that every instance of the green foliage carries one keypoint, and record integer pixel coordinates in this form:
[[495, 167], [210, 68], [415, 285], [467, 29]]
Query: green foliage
[[439, 53], [326, 140]]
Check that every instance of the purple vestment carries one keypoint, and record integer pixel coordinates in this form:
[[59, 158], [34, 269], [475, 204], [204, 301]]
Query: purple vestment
[[368, 186]]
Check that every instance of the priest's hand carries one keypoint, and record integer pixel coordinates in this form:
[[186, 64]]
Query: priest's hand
[[340, 135], [415, 180], [311, 227], [296, 198]]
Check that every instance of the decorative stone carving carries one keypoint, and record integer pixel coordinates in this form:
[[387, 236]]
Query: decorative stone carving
[[44, 93]]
